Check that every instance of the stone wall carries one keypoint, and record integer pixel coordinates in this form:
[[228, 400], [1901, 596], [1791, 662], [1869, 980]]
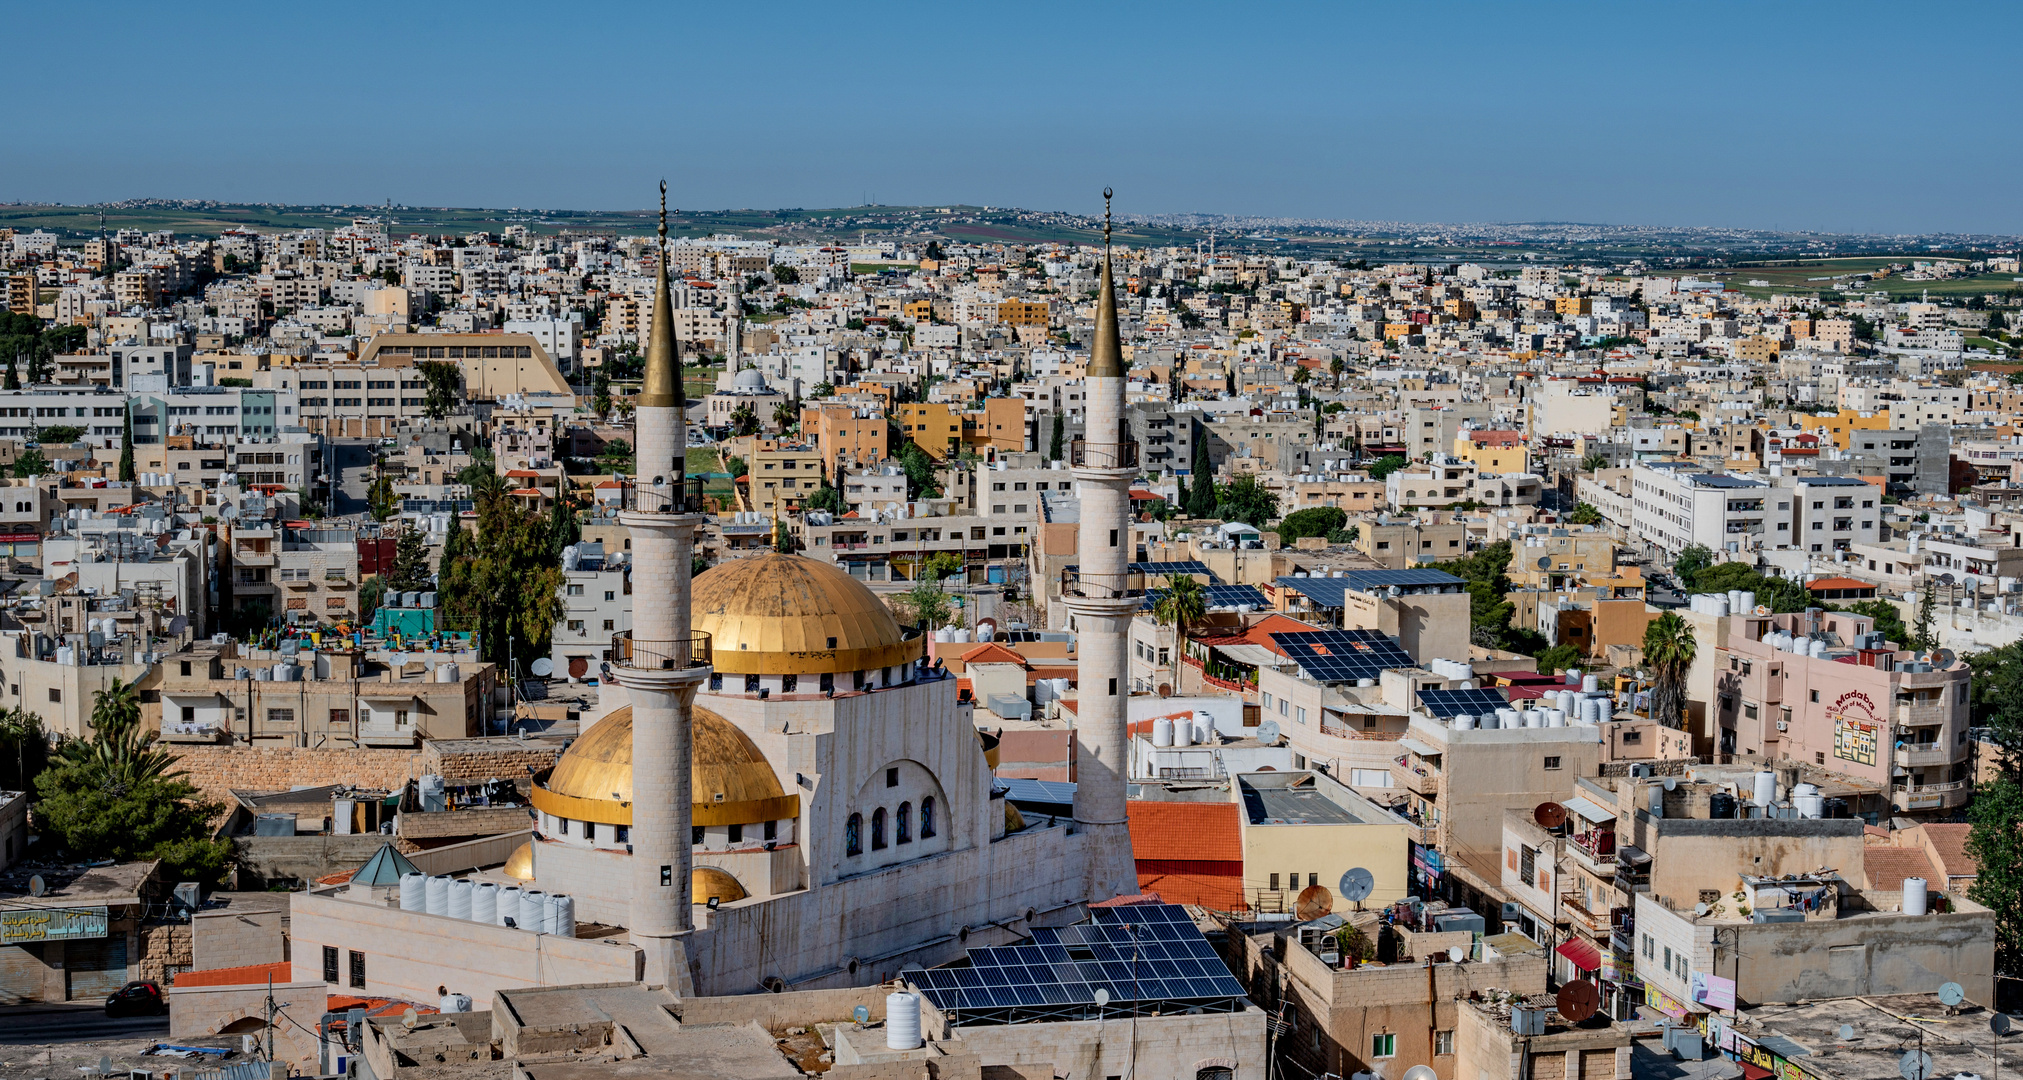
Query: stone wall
[[463, 767], [164, 947], [291, 860], [223, 939], [217, 770]]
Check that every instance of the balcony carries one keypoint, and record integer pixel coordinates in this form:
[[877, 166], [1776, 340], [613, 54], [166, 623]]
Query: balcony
[[1925, 754], [1083, 454], [253, 559], [1102, 586], [1574, 906], [1931, 796], [1426, 784], [1922, 715], [681, 496], [1597, 848], [677, 654]]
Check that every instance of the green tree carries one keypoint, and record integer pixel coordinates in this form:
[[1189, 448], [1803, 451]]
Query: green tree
[[1687, 567], [786, 275], [59, 434], [371, 593], [934, 251], [1558, 658], [786, 415], [1201, 500], [13, 377], [822, 390], [615, 456], [1593, 462], [1585, 514], [1996, 839], [30, 464], [1244, 499], [380, 499], [600, 394], [940, 565], [743, 420], [564, 528], [1923, 636], [502, 583], [1888, 620], [784, 540], [126, 467], [735, 465], [1386, 465], [919, 469], [1669, 650], [929, 603], [1181, 605], [22, 730], [1060, 434], [114, 795], [442, 380], [1313, 521], [410, 563], [1335, 368]]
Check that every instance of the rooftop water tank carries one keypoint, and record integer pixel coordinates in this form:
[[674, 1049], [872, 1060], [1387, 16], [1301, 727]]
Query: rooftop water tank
[[531, 903], [439, 895], [414, 892], [562, 915], [485, 902], [1465, 722], [448, 673], [460, 899], [902, 1021], [1806, 798], [1766, 788], [1183, 734], [456, 1003], [508, 905], [1914, 896], [1162, 732]]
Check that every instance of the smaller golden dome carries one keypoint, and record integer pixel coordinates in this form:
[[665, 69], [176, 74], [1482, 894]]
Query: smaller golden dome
[[730, 781], [708, 881], [520, 864], [1013, 820]]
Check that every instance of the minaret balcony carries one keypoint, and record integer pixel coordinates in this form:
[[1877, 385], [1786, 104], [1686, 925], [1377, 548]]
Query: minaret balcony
[[691, 651], [1084, 454], [1090, 586], [682, 495]]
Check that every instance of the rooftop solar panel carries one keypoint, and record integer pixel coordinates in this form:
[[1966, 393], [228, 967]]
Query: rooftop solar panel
[[1185, 566], [1444, 704], [1343, 655], [1219, 596]]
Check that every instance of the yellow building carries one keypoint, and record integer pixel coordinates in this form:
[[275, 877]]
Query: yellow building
[[938, 429], [1573, 305], [1758, 348], [1492, 451], [1842, 426], [1022, 313], [920, 310], [1304, 829]]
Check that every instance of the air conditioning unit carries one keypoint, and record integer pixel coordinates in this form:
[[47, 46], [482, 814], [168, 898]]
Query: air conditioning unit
[[1784, 725]]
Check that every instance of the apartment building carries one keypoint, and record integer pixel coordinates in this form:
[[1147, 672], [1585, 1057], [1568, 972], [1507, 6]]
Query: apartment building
[[597, 606], [494, 365], [228, 694], [846, 432], [295, 577], [1676, 505]]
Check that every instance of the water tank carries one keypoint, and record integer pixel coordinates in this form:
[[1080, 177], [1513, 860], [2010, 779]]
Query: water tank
[[1590, 684], [485, 902], [1465, 722], [1506, 717], [549, 910], [428, 600], [414, 892], [1914, 896], [508, 905], [902, 1021], [1748, 602], [456, 1003], [1766, 788], [1807, 799], [1539, 717], [1720, 804], [1183, 734], [1366, 682], [1720, 606], [439, 895], [1735, 601], [341, 811], [265, 674], [563, 907], [1162, 732], [1818, 649], [448, 673], [531, 902], [1560, 719], [434, 798]]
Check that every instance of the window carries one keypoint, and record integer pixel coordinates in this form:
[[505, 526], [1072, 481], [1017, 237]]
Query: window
[[736, 834], [330, 964], [1649, 944], [55, 694], [340, 717], [280, 717], [892, 777], [1552, 762], [357, 970], [927, 817], [853, 837], [1302, 717], [1527, 863], [1443, 1042], [1274, 883], [902, 826], [1383, 1046], [878, 829], [1815, 695]]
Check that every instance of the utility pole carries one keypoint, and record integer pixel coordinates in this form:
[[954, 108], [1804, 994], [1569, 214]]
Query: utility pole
[[270, 1017]]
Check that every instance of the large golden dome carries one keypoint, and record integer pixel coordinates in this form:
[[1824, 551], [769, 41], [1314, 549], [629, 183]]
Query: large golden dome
[[790, 615], [731, 782]]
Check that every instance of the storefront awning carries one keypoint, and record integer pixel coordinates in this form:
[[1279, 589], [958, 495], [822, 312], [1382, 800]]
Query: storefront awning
[[1581, 953], [1418, 748], [1752, 1071], [1588, 811]]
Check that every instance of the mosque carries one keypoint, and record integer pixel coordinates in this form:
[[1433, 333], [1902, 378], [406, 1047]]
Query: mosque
[[780, 793]]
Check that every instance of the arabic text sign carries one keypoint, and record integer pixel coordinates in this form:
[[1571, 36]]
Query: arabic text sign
[[51, 924]]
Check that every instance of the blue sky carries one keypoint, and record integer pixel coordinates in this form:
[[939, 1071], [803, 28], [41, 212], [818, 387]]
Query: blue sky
[[1840, 117]]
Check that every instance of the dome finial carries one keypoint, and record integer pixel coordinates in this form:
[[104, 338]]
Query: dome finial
[[660, 385], [1106, 356]]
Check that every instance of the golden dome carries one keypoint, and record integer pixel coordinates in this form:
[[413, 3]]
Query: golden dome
[[790, 615], [520, 864], [708, 881], [731, 782]]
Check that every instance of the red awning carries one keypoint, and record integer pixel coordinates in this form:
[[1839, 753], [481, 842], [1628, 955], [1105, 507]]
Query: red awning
[[1582, 953], [1754, 1072]]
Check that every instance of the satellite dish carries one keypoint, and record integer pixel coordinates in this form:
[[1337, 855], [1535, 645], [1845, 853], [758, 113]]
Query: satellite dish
[[1915, 1065], [1846, 1032], [1952, 994], [1356, 884], [1102, 997], [1999, 1023], [1671, 783], [1578, 1000], [1947, 578], [1943, 658], [1420, 1072], [1313, 902], [410, 1018], [542, 667], [1545, 562], [1549, 815], [1700, 909], [1267, 732], [37, 886], [1457, 953]]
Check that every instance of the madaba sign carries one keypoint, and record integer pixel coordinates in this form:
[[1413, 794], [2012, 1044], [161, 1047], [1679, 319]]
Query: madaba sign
[[1856, 727]]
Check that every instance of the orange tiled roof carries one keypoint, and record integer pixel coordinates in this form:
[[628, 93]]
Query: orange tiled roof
[[1949, 840], [1189, 832], [1887, 867], [1838, 583], [990, 652], [249, 975]]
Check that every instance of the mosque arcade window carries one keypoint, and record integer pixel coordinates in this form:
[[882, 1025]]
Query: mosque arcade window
[[772, 830], [878, 829], [853, 835], [696, 836], [751, 684], [927, 817], [716, 682], [788, 683], [902, 826], [737, 834], [828, 682], [892, 777]]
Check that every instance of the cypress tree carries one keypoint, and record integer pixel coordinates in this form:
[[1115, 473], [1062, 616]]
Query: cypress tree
[[1060, 432], [126, 469], [1201, 501]]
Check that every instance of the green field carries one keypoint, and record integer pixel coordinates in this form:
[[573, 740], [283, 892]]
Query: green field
[[1801, 279]]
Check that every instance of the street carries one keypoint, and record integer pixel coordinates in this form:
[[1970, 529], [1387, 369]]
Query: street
[[352, 484], [43, 1025]]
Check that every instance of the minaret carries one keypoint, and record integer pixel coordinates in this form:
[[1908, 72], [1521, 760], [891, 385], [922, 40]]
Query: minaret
[[1104, 598], [663, 663]]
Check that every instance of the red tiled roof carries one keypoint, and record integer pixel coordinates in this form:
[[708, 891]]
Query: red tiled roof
[[1949, 840], [1189, 832], [1500, 438], [1217, 892], [1838, 583], [990, 652], [1887, 867], [250, 975]]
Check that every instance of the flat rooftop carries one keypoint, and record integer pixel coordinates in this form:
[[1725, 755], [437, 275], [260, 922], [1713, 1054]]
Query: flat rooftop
[[1295, 806], [1883, 1028]]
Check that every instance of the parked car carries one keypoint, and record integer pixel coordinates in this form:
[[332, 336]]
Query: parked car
[[137, 999]]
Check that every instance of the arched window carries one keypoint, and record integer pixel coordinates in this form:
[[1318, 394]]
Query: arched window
[[878, 829], [902, 829], [927, 817], [853, 835]]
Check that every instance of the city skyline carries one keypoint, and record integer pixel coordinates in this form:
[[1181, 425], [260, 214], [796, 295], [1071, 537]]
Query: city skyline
[[1735, 119]]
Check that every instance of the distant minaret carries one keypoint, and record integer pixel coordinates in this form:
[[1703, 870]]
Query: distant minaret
[[1103, 599], [662, 665]]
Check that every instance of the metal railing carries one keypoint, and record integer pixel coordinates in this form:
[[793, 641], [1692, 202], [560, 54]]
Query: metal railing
[[679, 496], [692, 651], [1102, 586], [1083, 454]]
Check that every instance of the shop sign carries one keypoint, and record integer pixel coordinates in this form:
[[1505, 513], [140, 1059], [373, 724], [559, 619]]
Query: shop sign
[[51, 924]]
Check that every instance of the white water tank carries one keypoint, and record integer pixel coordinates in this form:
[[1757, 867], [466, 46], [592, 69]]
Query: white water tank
[[438, 895], [1162, 732], [1735, 601], [1590, 684], [1183, 734], [1720, 605], [902, 1021], [448, 673], [1465, 722], [1506, 718], [1204, 730], [1748, 603], [562, 922], [1555, 719], [1766, 788], [1818, 649], [460, 899], [509, 905], [547, 912], [529, 917], [1807, 799], [485, 902], [1539, 717], [414, 892], [456, 1003], [1914, 896]]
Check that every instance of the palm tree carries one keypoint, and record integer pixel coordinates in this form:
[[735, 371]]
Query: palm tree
[[487, 486], [1593, 461], [1669, 649], [785, 415], [1184, 603]]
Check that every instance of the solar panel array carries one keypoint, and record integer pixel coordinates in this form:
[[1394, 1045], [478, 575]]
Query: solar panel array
[[1343, 655], [1219, 596], [1449, 703], [1374, 579], [1190, 566], [1138, 953], [1040, 792]]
